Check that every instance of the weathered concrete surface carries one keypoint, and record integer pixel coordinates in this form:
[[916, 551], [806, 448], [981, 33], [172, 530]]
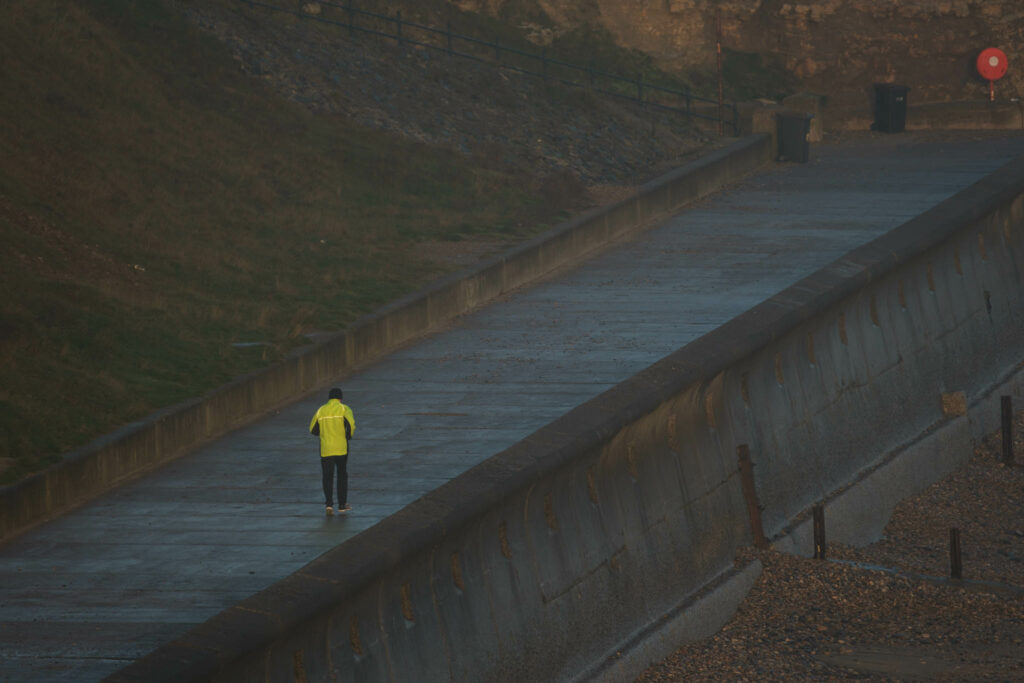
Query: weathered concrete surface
[[107, 584]]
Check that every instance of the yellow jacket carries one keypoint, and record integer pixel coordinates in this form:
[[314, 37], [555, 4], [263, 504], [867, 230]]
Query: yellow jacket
[[329, 424]]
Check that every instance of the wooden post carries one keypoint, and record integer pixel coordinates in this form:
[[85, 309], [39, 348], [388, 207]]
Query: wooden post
[[750, 495], [1006, 405], [819, 532], [955, 561]]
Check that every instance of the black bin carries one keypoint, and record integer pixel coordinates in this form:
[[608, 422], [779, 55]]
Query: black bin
[[890, 108], [794, 129]]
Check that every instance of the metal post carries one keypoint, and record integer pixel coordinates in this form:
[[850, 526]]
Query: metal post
[[351, 19], [955, 561], [819, 532], [1006, 404], [398, 26], [449, 35]]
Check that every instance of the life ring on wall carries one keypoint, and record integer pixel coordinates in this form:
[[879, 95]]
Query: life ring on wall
[[992, 64]]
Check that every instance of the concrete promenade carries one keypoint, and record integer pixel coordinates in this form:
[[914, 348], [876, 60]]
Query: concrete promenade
[[82, 596]]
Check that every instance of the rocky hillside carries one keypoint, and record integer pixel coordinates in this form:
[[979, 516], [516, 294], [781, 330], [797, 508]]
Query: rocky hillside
[[834, 47], [570, 140]]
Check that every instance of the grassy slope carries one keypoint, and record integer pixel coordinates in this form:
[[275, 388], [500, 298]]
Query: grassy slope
[[156, 206]]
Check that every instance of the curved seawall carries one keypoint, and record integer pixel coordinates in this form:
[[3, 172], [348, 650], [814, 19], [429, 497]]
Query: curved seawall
[[587, 548]]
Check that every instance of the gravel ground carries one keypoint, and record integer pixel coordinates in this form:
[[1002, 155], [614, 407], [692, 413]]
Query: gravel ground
[[849, 619]]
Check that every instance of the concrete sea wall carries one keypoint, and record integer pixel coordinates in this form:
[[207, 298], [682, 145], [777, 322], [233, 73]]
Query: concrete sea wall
[[596, 544], [140, 447]]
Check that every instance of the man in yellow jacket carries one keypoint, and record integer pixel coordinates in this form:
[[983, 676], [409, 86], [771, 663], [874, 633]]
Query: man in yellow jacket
[[334, 424]]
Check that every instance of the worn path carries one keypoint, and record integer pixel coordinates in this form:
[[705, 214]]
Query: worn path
[[82, 596]]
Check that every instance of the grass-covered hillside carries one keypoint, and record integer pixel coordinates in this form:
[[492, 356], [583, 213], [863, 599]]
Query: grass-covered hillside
[[163, 206]]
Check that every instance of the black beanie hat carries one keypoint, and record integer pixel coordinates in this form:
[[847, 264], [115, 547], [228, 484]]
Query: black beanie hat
[[334, 393]]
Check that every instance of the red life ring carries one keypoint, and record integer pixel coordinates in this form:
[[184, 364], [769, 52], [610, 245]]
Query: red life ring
[[992, 63]]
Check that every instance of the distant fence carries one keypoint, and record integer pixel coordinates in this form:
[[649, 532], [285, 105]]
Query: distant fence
[[538, 64]]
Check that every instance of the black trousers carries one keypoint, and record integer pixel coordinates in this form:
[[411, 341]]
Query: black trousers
[[328, 464]]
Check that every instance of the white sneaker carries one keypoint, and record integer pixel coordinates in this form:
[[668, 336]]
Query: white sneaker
[[330, 511], [344, 508]]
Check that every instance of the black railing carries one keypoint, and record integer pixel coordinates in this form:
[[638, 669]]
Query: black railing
[[538, 64]]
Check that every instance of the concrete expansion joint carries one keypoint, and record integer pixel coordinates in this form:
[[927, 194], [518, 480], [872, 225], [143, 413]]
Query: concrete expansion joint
[[506, 549], [456, 569], [549, 513], [354, 640], [592, 487], [634, 472], [407, 610]]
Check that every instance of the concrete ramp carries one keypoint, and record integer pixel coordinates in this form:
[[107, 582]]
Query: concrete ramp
[[614, 499]]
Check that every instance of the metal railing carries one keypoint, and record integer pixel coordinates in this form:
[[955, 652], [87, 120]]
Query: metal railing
[[537, 64]]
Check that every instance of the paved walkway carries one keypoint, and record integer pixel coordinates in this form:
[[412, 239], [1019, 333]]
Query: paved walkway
[[84, 595]]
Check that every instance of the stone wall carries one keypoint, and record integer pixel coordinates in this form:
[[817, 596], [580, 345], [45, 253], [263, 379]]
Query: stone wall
[[834, 47]]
